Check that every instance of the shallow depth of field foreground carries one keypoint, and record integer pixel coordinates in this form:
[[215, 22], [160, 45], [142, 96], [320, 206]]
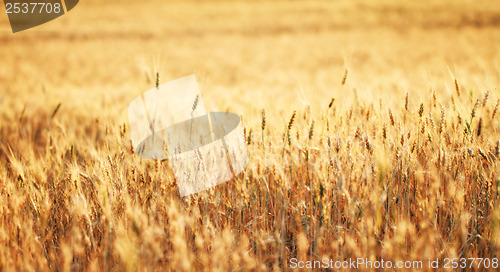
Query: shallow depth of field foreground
[[372, 127]]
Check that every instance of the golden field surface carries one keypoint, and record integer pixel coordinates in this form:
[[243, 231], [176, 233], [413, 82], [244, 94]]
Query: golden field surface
[[380, 140]]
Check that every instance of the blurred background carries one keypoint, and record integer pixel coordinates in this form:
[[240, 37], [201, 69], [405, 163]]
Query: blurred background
[[250, 55]]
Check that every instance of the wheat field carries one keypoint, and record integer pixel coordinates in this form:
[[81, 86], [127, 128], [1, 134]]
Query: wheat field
[[372, 130]]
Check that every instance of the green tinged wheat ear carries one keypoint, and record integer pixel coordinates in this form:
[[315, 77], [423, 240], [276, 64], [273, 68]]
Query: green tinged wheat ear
[[249, 139], [311, 130], [292, 119], [263, 125], [467, 128], [157, 84], [195, 103], [56, 110], [288, 137], [123, 130]]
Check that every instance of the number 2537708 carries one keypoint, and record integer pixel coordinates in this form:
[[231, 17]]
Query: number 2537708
[[33, 8]]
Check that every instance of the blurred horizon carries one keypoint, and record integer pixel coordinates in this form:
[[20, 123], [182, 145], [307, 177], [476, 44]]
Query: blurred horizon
[[256, 51]]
